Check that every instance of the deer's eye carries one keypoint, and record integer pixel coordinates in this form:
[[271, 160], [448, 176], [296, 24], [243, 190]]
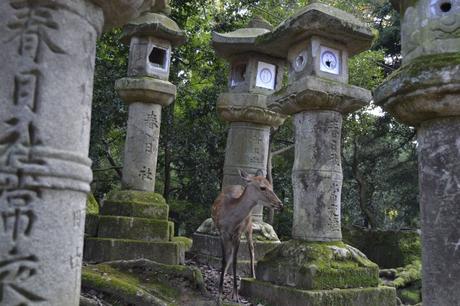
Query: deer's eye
[[263, 188]]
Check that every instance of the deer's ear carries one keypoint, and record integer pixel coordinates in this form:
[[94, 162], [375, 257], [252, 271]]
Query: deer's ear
[[260, 173], [244, 175]]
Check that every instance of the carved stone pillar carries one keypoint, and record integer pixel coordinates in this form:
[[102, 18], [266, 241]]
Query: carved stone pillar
[[425, 93], [134, 221], [248, 137], [255, 74], [47, 54]]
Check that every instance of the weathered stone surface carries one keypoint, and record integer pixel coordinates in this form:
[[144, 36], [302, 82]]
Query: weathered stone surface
[[425, 89], [141, 147], [133, 228], [91, 225], [119, 12], [439, 179], [247, 149], [279, 295], [135, 197], [428, 27], [143, 282], [47, 54], [154, 25], [317, 266], [246, 107], [388, 249], [336, 24], [211, 245], [106, 249], [130, 209], [146, 90], [317, 176], [261, 231], [311, 93]]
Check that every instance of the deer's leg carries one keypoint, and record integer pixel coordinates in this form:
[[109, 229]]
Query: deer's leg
[[227, 248], [236, 245], [251, 250]]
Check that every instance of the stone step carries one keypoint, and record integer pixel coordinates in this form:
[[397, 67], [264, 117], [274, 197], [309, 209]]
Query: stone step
[[135, 228], [272, 294], [105, 249], [209, 245], [132, 209], [243, 267]]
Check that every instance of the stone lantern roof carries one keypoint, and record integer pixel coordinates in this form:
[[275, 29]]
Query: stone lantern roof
[[154, 24], [242, 40], [315, 19], [320, 20]]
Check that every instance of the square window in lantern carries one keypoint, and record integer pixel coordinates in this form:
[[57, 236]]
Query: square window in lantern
[[330, 60], [238, 74], [159, 57], [266, 75]]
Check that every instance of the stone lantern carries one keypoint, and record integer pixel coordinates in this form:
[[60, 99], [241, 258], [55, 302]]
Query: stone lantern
[[317, 42], [134, 221], [48, 51], [425, 93], [255, 73]]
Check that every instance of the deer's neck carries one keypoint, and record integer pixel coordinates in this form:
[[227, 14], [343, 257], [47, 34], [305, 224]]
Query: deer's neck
[[245, 203]]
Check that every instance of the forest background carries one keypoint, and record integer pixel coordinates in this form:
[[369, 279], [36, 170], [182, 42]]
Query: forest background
[[378, 154]]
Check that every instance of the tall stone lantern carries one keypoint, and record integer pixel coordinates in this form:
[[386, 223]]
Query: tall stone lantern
[[317, 42], [425, 93], [47, 52], [255, 73], [134, 221]]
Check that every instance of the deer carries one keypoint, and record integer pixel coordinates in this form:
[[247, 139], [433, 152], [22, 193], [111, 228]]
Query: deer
[[231, 213]]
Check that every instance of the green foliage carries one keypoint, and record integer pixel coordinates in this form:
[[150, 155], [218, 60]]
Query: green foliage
[[92, 207], [187, 216]]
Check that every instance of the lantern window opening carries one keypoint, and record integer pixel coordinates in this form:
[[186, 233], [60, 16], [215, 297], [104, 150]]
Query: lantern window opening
[[238, 74], [445, 6], [158, 57]]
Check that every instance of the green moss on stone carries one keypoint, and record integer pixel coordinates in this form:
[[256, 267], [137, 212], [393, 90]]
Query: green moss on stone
[[389, 249], [133, 196], [92, 207], [184, 241], [127, 288], [135, 209], [134, 228], [425, 64], [410, 296], [318, 266], [284, 295], [409, 274]]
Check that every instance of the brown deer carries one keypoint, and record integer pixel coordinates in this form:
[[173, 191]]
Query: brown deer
[[231, 213]]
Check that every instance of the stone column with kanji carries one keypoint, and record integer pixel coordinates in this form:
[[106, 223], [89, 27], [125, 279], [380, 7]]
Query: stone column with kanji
[[425, 93], [134, 221], [254, 75], [317, 42], [48, 53]]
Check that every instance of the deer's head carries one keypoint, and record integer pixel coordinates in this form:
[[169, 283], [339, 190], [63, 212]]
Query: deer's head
[[261, 189]]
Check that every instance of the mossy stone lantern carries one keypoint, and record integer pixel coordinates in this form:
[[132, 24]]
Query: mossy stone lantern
[[317, 42], [425, 93], [146, 90], [134, 221], [255, 73]]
